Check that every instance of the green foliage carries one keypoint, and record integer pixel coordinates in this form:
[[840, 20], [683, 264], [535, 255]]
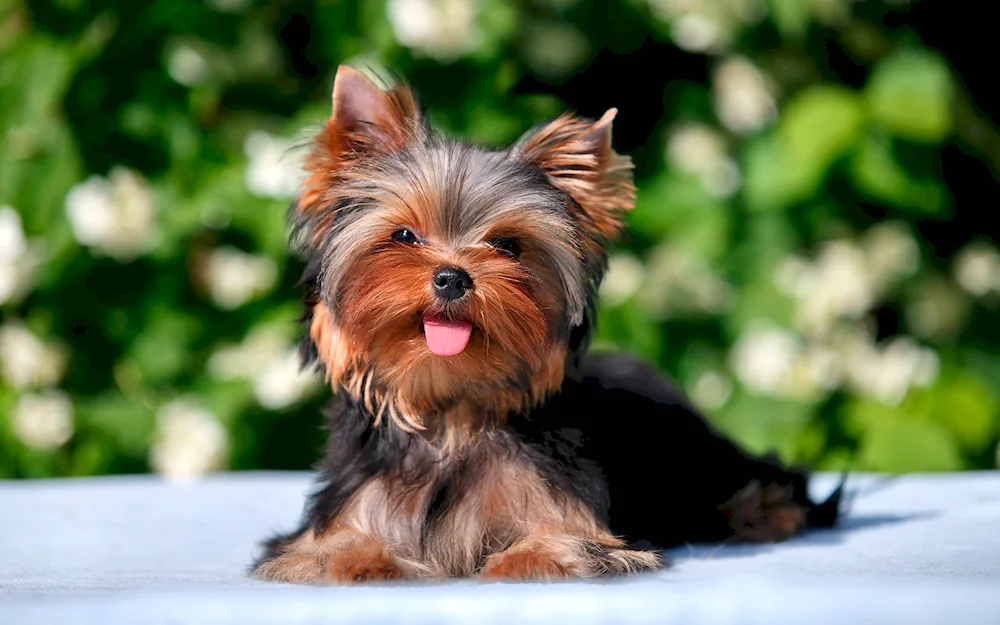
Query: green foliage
[[148, 312]]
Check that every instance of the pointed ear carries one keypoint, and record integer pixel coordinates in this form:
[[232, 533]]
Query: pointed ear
[[366, 118], [576, 156], [366, 122]]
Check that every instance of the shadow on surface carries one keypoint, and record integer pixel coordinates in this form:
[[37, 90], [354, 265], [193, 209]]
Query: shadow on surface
[[827, 536]]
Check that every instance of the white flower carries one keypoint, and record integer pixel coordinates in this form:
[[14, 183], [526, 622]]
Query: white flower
[[901, 364], [18, 257], [190, 441], [763, 357], [706, 26], [12, 241], [43, 421], [977, 269], [91, 211], [186, 65], [846, 279], [836, 286], [743, 100], [833, 12], [711, 390], [229, 6], [695, 148], [814, 372], [8, 283], [821, 367], [268, 359], [775, 362], [625, 275], [249, 358], [25, 360], [554, 49], [274, 169], [938, 308], [679, 282], [234, 277], [886, 372], [283, 382], [695, 32], [442, 29], [793, 277], [700, 150], [114, 215], [891, 252], [722, 179]]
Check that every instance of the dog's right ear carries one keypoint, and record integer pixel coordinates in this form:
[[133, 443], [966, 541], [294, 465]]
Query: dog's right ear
[[366, 122]]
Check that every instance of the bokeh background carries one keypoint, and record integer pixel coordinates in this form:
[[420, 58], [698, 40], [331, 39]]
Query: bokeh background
[[813, 255]]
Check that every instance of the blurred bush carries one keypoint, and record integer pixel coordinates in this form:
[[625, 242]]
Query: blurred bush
[[797, 258]]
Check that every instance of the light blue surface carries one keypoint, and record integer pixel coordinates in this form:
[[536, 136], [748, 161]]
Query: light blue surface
[[915, 549]]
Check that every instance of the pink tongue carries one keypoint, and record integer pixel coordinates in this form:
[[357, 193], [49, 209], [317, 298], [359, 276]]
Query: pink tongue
[[446, 338]]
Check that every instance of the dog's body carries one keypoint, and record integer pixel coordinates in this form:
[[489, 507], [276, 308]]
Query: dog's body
[[448, 296]]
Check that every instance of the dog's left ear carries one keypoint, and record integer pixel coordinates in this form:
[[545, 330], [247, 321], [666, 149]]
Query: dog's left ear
[[576, 156]]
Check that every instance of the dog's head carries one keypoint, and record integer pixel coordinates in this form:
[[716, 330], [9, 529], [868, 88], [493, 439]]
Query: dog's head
[[443, 273]]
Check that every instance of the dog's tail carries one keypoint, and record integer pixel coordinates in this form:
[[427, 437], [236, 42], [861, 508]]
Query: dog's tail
[[826, 514]]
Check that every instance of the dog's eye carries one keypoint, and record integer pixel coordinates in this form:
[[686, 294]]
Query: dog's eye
[[405, 236], [507, 246]]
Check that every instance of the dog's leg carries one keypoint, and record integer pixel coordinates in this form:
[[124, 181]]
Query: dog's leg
[[342, 557], [562, 556]]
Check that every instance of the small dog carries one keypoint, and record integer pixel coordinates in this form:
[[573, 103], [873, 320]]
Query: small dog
[[449, 294]]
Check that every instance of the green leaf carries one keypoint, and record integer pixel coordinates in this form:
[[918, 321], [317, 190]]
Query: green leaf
[[791, 17], [819, 124], [964, 406], [905, 438], [162, 351], [491, 126], [626, 326], [899, 446], [128, 423], [910, 94], [678, 207], [877, 173], [764, 425], [773, 180]]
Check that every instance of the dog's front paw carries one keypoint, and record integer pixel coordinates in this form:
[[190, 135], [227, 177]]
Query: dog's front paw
[[562, 557], [307, 561], [353, 567], [523, 565]]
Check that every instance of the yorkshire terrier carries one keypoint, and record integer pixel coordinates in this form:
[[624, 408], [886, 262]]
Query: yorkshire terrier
[[449, 294]]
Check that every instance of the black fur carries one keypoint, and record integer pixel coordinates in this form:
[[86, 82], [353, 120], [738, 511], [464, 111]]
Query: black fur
[[618, 437]]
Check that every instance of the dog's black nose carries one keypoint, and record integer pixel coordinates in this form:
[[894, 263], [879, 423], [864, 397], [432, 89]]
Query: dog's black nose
[[451, 283]]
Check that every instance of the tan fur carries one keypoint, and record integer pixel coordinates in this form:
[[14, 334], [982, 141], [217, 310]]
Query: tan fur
[[576, 155], [387, 122], [515, 306], [345, 366], [343, 557], [509, 524]]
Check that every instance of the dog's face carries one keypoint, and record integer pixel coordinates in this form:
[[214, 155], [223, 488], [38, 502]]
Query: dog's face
[[443, 273]]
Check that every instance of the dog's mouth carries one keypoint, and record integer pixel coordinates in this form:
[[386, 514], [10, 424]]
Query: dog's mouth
[[446, 337]]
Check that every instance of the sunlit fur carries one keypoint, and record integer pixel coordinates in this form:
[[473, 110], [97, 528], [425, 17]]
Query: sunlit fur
[[560, 193], [508, 460]]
